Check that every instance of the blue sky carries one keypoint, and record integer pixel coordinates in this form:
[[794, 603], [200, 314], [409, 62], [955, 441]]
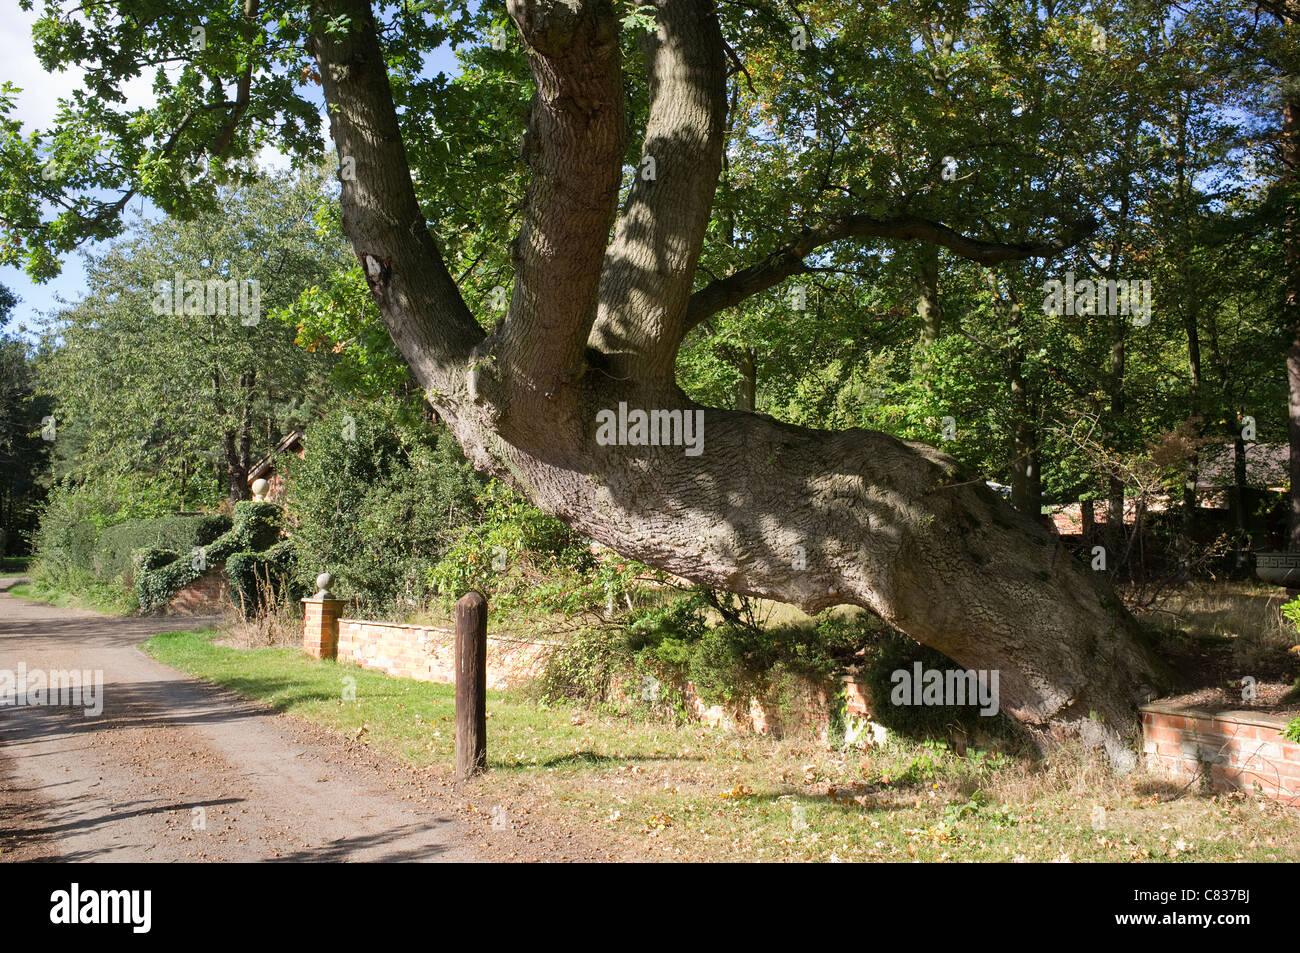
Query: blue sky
[[36, 108]]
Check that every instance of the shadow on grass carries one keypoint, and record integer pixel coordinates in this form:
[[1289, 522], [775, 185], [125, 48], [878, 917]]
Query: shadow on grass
[[586, 759], [279, 693]]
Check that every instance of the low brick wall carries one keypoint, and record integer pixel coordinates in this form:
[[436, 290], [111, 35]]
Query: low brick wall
[[809, 714], [205, 595], [428, 653], [1231, 749]]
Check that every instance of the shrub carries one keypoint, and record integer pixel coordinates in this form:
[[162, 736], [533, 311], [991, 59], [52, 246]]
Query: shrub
[[376, 501], [1291, 612], [89, 538], [728, 660], [265, 578], [161, 573], [118, 544], [526, 561], [586, 666]]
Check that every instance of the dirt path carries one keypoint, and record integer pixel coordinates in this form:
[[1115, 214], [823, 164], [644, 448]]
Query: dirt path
[[127, 785]]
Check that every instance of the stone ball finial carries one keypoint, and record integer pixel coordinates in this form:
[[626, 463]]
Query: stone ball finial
[[323, 583], [259, 490]]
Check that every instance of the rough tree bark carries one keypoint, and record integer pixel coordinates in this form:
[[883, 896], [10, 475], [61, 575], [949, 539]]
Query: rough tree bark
[[886, 524]]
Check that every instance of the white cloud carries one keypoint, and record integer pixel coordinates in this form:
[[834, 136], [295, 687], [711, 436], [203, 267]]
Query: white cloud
[[38, 104]]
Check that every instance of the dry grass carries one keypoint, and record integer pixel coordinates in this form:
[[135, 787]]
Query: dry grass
[[273, 622]]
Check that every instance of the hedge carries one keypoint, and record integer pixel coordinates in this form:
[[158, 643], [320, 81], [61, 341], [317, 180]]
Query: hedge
[[160, 573], [117, 544], [108, 553], [269, 574]]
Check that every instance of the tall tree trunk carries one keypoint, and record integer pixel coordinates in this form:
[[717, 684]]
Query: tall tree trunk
[[1239, 495], [928, 306], [237, 444], [747, 390], [1187, 303], [1118, 332], [1023, 439]]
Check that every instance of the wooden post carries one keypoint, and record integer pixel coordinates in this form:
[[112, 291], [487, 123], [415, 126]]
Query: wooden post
[[471, 685]]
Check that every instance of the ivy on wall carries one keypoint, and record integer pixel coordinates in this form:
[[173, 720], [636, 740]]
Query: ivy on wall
[[250, 550]]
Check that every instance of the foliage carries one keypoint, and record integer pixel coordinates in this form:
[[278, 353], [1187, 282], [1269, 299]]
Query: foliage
[[116, 544], [738, 657], [188, 399], [1292, 731], [1291, 612], [24, 451], [92, 530], [587, 667], [161, 573], [520, 558], [260, 578], [895, 652], [376, 501], [714, 641]]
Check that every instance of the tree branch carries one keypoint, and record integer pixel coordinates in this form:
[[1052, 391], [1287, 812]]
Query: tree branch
[[573, 146], [424, 312], [788, 260], [242, 89], [650, 266]]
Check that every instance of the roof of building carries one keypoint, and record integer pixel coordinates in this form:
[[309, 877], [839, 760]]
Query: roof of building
[[291, 443]]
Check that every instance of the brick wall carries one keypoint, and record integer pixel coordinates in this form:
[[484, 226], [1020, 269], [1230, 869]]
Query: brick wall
[[320, 627], [1232, 749], [428, 654], [204, 595], [806, 713]]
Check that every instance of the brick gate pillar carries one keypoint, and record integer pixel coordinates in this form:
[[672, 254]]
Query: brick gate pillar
[[320, 620]]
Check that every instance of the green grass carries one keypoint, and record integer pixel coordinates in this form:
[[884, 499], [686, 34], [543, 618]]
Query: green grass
[[413, 720], [14, 564], [654, 789], [108, 598]]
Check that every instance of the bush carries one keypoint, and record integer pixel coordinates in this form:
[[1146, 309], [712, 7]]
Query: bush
[[160, 573], [68, 533], [586, 666], [88, 539], [265, 578], [522, 559], [376, 501], [118, 544], [728, 661], [1292, 731], [1291, 612]]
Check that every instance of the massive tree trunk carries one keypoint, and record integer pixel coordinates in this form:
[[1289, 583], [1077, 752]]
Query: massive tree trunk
[[593, 323]]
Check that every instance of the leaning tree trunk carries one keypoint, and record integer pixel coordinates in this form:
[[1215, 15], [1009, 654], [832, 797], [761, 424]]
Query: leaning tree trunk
[[593, 323], [886, 524]]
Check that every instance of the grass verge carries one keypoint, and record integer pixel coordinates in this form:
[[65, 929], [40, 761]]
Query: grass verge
[[653, 790], [99, 597]]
